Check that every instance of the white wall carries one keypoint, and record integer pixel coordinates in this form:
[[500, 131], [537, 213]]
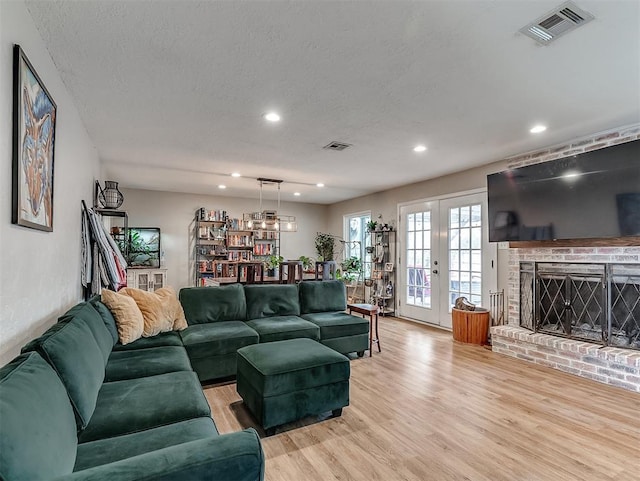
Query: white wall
[[174, 214], [386, 203], [40, 271]]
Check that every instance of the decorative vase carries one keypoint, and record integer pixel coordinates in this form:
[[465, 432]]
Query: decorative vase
[[111, 197]]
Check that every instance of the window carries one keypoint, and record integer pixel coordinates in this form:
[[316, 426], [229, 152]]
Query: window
[[357, 239], [418, 255], [465, 253]]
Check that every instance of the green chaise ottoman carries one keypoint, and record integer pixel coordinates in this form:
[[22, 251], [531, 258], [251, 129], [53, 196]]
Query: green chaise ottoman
[[284, 381]]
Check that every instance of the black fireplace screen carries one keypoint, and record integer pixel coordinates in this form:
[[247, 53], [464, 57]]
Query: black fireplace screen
[[591, 302]]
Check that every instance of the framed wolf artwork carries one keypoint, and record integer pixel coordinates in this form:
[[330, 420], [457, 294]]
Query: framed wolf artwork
[[34, 126]]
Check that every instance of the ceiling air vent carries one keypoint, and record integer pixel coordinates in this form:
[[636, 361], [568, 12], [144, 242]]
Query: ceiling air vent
[[556, 23], [336, 146]]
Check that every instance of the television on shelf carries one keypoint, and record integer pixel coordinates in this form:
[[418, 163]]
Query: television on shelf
[[590, 195], [144, 247]]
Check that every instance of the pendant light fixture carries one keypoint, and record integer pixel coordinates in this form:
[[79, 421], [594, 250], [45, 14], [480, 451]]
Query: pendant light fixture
[[269, 220]]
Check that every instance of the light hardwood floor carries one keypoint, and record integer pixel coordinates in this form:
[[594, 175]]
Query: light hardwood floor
[[427, 408]]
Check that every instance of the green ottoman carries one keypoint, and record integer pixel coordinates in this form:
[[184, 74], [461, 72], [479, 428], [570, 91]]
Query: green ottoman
[[284, 381]]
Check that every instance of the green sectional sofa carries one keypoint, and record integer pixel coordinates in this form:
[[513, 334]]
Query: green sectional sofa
[[74, 406], [78, 405], [226, 318]]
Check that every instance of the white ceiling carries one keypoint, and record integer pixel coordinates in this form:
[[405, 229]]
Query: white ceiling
[[172, 93]]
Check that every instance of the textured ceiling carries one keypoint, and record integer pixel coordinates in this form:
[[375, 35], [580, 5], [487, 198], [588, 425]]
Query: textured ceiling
[[172, 93]]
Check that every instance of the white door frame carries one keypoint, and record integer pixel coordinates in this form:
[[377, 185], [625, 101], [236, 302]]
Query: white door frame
[[490, 258]]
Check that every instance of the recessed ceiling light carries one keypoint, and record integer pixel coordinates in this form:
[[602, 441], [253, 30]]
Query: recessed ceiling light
[[537, 129], [420, 148], [297, 194], [235, 174], [221, 186], [319, 184], [272, 117]]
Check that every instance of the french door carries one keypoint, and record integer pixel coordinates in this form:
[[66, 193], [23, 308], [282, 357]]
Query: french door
[[444, 254]]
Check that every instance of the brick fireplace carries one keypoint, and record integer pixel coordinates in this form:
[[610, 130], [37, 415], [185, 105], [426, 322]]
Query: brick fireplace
[[585, 354]]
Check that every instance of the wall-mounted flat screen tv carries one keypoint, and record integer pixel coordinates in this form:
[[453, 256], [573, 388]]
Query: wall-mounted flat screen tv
[[591, 195]]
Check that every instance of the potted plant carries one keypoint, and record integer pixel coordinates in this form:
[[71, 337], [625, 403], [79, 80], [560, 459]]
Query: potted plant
[[350, 269], [271, 264], [371, 225], [307, 263], [324, 246]]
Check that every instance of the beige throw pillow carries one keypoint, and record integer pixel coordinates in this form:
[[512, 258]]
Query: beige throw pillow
[[157, 318], [173, 307], [129, 321]]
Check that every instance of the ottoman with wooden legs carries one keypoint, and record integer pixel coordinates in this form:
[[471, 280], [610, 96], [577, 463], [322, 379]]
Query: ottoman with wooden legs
[[284, 381]]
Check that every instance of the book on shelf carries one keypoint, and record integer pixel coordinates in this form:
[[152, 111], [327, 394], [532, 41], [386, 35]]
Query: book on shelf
[[209, 282]]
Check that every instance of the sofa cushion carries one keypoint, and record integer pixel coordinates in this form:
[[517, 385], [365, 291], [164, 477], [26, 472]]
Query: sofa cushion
[[217, 338], [214, 367], [170, 301], [106, 316], [146, 362], [213, 304], [321, 296], [156, 318], [129, 320], [104, 451], [38, 436], [287, 366], [134, 405], [73, 352], [265, 300], [279, 328], [171, 338], [338, 324], [92, 318], [232, 457]]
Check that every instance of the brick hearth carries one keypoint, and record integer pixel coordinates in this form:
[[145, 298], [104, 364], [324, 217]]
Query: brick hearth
[[609, 365]]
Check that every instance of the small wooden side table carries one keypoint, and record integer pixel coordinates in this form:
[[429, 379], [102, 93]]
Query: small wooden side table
[[371, 311]]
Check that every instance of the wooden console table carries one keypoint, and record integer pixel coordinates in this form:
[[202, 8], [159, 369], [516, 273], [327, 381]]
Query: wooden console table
[[371, 311]]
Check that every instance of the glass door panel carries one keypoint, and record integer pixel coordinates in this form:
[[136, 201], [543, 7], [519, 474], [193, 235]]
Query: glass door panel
[[469, 263], [418, 300]]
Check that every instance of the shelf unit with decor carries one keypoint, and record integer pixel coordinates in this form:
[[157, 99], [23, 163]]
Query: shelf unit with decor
[[382, 289], [266, 242], [117, 225], [265, 229], [118, 229], [210, 245], [239, 245]]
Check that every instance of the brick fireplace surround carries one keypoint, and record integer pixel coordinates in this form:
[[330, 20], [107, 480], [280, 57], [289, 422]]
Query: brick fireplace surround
[[610, 365]]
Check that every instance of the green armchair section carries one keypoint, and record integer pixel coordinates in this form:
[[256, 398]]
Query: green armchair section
[[226, 318], [323, 303]]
